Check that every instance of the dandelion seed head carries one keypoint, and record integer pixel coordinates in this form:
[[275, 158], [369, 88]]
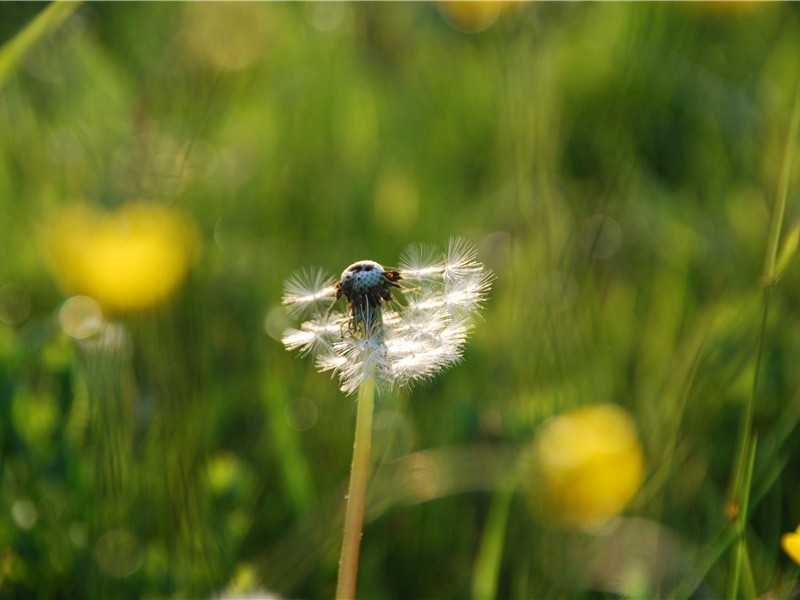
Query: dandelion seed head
[[397, 338], [366, 284], [362, 277]]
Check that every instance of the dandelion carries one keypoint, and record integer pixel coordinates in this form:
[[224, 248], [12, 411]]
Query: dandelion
[[395, 327], [399, 325]]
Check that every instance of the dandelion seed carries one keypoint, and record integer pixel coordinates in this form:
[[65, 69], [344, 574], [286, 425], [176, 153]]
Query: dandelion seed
[[305, 289], [397, 326]]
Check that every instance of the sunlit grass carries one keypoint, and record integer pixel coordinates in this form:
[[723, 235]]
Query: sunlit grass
[[628, 172]]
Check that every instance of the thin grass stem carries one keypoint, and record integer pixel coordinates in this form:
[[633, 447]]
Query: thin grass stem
[[356, 495], [742, 560], [742, 475], [779, 209], [487, 566]]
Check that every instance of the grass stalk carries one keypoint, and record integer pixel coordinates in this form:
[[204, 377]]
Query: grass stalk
[[356, 494], [741, 559], [487, 566], [742, 476], [779, 210]]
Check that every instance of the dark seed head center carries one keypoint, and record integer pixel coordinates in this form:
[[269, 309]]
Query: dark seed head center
[[366, 283]]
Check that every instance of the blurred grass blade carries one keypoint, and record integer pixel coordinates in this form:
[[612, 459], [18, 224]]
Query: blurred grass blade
[[779, 209], [741, 557], [787, 252], [741, 480], [294, 467], [47, 21], [490, 554]]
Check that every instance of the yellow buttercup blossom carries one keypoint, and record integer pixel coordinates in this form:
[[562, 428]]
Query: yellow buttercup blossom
[[732, 8], [790, 542], [128, 259], [473, 16], [587, 465]]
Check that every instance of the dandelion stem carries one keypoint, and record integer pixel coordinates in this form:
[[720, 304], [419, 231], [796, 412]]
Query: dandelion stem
[[354, 516]]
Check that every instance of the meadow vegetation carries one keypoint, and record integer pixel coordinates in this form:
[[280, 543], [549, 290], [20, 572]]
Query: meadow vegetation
[[625, 419]]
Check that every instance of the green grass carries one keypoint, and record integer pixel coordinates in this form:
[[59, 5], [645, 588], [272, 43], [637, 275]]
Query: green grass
[[171, 469]]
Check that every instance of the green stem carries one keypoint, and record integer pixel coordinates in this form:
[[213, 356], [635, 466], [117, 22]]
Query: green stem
[[779, 209], [740, 485], [746, 426], [741, 559], [490, 554], [356, 495]]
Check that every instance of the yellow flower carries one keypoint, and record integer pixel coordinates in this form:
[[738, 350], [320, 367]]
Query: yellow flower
[[790, 542], [733, 8], [472, 16], [588, 464], [128, 259]]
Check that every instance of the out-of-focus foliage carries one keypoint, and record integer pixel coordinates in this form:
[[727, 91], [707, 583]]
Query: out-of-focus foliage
[[615, 163]]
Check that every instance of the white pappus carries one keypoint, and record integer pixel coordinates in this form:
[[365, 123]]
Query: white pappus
[[399, 325]]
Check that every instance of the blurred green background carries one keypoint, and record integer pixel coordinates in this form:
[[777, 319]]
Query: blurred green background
[[616, 166]]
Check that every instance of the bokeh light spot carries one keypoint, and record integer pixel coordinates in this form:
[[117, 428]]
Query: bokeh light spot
[[425, 477], [227, 36], [80, 317], [224, 470], [35, 415], [15, 304], [276, 322], [119, 553], [326, 16], [301, 414], [79, 535], [24, 514]]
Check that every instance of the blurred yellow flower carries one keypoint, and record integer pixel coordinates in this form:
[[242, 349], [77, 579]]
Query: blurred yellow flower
[[128, 259], [790, 542], [227, 36], [472, 16], [733, 8], [588, 464]]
